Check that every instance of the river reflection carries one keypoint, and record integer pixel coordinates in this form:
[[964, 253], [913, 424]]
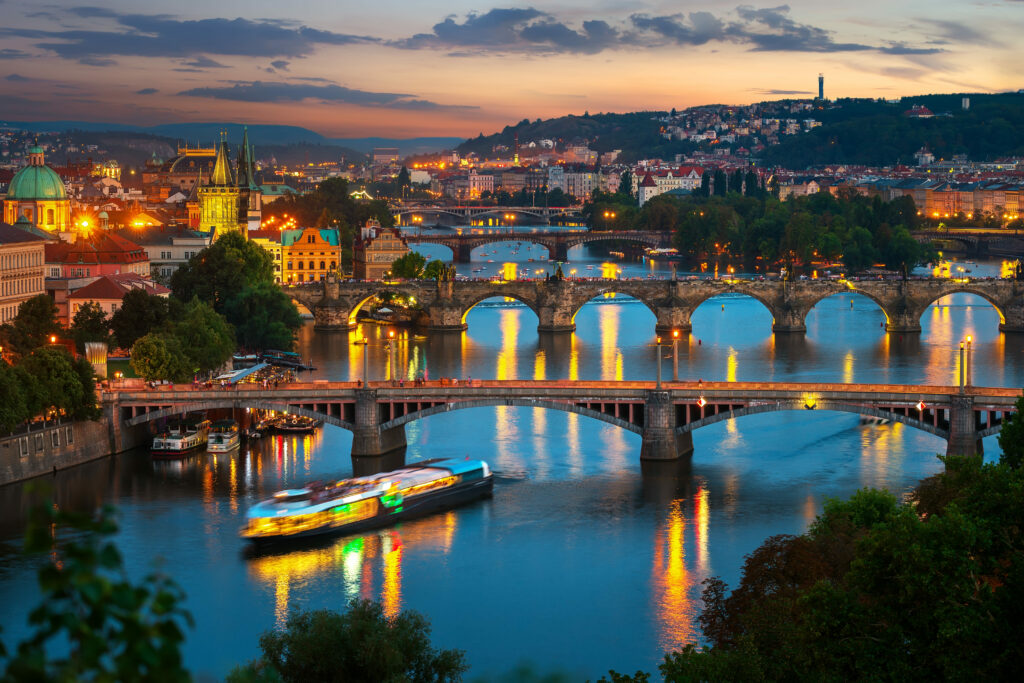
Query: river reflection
[[585, 559]]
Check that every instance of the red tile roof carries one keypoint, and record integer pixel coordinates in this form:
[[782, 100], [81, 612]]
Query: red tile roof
[[104, 247], [116, 286]]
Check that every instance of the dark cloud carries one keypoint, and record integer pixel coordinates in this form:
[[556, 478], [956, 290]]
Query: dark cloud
[[147, 91], [696, 28], [96, 61], [955, 32], [520, 30], [11, 53], [17, 78], [141, 35], [783, 92], [768, 29], [260, 91], [280, 65], [202, 62]]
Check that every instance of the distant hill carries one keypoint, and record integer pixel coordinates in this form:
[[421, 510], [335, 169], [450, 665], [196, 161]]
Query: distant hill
[[259, 134], [854, 131]]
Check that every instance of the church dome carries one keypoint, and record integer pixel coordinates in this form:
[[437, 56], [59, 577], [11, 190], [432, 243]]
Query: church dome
[[36, 181]]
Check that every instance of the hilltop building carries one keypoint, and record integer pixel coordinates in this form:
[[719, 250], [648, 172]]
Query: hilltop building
[[37, 193]]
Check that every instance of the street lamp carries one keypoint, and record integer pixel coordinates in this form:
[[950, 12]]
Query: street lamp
[[968, 370], [365, 343], [675, 355], [961, 367], [657, 348], [392, 374]]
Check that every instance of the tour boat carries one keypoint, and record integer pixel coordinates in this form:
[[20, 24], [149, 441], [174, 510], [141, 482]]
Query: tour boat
[[287, 359], [223, 436], [181, 437], [295, 423], [352, 505]]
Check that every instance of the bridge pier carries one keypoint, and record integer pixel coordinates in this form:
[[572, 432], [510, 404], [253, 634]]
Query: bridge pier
[[963, 428], [464, 252], [904, 322], [1013, 318], [789, 320], [560, 252], [672, 318], [660, 441], [331, 318], [368, 439]]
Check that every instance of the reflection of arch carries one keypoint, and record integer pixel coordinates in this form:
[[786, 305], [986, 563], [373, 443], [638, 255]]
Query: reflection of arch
[[611, 289], [532, 305], [704, 297], [866, 295], [798, 404], [280, 406], [520, 403], [964, 289]]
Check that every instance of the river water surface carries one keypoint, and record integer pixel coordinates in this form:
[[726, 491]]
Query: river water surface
[[580, 562]]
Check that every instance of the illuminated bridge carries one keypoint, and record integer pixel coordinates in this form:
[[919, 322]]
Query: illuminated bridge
[[414, 215], [665, 417], [444, 305], [557, 242]]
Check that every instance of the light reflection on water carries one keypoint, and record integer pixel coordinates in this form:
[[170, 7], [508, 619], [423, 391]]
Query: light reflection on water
[[580, 562]]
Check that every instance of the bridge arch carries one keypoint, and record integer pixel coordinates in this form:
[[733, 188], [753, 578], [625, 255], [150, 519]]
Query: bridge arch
[[963, 288], [578, 305], [412, 239], [852, 290], [750, 292], [515, 402], [820, 405], [498, 211], [354, 311], [280, 406], [428, 211], [587, 238], [470, 304]]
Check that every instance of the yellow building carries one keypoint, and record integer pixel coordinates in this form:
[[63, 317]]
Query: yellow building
[[375, 250], [37, 193], [22, 268], [219, 199], [270, 240], [309, 254]]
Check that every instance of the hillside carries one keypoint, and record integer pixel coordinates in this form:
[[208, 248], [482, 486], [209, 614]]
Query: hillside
[[853, 131]]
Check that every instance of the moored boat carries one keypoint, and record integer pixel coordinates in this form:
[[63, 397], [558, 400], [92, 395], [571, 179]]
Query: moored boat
[[223, 436], [352, 505], [296, 423], [181, 437]]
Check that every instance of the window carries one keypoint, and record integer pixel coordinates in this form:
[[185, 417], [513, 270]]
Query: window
[[69, 435], [300, 265], [49, 216], [311, 239], [23, 446], [312, 266], [322, 265], [55, 438], [39, 442]]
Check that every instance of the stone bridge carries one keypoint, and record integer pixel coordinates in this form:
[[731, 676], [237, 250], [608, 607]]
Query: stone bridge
[[541, 214], [558, 243], [444, 304], [664, 416]]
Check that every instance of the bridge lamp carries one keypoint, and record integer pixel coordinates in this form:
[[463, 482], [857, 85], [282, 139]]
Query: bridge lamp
[[810, 402], [675, 355], [920, 406], [702, 402]]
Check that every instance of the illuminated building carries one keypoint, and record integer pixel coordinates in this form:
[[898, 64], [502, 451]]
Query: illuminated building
[[270, 240], [232, 199], [37, 193], [22, 259], [376, 248], [309, 254]]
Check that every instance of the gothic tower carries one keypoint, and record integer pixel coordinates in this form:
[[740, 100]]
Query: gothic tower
[[250, 195], [219, 199]]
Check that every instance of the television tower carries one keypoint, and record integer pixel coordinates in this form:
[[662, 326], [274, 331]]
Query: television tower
[[821, 87]]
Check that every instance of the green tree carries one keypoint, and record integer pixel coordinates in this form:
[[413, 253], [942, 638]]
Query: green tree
[[719, 183], [409, 266], [902, 252], [263, 317], [160, 357], [64, 382], [32, 326], [361, 644], [105, 626], [139, 314], [90, 324], [434, 270], [205, 335], [220, 272], [1011, 437], [403, 178], [14, 396]]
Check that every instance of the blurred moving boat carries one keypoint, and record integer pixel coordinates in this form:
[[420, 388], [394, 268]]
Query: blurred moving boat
[[351, 505]]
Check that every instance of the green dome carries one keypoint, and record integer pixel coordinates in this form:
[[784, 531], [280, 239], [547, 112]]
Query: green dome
[[36, 182]]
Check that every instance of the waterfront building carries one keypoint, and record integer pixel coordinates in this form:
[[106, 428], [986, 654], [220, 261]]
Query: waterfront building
[[270, 240], [375, 249], [108, 291], [22, 263], [37, 193], [309, 254]]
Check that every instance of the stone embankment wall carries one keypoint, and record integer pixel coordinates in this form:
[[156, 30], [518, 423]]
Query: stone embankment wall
[[47, 446]]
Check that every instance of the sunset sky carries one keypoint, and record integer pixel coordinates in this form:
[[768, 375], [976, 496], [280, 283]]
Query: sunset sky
[[408, 68]]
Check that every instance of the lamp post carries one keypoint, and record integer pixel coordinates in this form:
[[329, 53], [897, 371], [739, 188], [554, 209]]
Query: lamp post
[[657, 348], [961, 367], [366, 361], [675, 355], [392, 374]]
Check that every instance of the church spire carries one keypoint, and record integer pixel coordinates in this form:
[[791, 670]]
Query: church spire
[[221, 176], [246, 170]]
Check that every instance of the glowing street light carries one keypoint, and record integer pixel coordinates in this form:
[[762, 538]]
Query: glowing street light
[[675, 355]]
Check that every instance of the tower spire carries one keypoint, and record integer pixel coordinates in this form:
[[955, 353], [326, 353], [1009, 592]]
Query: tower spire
[[221, 175]]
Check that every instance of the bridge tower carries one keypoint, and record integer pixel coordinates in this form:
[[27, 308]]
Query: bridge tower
[[963, 427]]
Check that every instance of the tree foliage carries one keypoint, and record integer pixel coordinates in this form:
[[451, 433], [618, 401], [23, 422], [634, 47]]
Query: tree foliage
[[220, 272], [62, 382], [360, 644], [159, 356], [264, 317], [90, 324], [32, 326], [206, 337], [409, 266], [139, 314], [93, 622]]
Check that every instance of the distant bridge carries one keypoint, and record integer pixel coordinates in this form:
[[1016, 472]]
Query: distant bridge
[[444, 305], [557, 242], [664, 416], [977, 242], [466, 214]]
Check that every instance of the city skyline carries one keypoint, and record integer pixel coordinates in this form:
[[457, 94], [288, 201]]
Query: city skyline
[[346, 70]]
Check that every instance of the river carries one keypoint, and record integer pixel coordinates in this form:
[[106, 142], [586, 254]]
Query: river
[[580, 562]]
